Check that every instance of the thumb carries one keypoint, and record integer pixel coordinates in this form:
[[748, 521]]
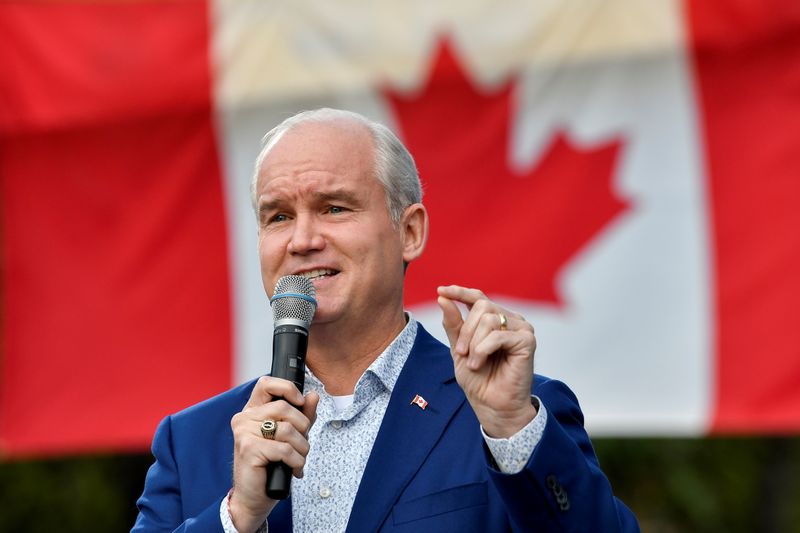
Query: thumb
[[310, 406], [451, 320]]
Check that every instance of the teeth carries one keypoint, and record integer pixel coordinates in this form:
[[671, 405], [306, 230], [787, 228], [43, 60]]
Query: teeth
[[318, 273]]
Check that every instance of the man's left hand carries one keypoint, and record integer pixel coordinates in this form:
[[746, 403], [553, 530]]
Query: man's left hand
[[492, 351]]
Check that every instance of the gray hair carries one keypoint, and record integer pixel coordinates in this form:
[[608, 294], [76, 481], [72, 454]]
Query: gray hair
[[394, 166]]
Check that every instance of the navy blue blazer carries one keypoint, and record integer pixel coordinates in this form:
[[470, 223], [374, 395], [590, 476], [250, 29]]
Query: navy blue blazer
[[429, 469]]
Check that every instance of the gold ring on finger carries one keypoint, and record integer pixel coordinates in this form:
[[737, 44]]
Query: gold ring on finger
[[268, 429], [503, 321]]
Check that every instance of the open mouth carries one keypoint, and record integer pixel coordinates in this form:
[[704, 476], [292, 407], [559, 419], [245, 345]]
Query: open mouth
[[320, 273]]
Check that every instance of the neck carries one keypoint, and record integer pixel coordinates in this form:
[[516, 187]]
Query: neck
[[339, 355]]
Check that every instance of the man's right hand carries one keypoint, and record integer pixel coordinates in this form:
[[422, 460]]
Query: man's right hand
[[249, 505]]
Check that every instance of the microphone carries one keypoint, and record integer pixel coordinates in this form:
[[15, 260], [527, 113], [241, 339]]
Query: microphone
[[293, 305]]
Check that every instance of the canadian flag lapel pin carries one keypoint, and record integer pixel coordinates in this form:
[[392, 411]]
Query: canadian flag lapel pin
[[420, 402]]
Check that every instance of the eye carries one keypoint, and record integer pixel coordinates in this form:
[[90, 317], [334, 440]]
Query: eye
[[272, 219], [336, 209]]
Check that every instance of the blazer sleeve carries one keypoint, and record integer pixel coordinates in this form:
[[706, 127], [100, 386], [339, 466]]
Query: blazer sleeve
[[562, 484], [160, 506]]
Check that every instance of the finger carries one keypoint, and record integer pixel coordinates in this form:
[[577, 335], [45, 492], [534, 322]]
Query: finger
[[289, 434], [521, 342], [279, 410], [256, 451], [310, 409], [451, 319], [461, 294], [487, 324], [268, 388], [479, 309], [288, 445]]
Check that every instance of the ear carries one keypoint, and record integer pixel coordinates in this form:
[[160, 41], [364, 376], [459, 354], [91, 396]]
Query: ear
[[414, 230]]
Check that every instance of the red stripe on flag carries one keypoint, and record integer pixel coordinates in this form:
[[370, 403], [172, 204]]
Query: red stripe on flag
[[67, 63], [116, 301], [115, 282], [746, 59]]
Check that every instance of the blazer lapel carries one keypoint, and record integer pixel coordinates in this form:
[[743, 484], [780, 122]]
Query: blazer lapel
[[408, 432]]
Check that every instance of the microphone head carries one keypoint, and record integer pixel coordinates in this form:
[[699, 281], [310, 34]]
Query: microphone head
[[293, 301]]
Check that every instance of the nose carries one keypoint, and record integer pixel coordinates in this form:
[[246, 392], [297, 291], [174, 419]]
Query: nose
[[305, 236]]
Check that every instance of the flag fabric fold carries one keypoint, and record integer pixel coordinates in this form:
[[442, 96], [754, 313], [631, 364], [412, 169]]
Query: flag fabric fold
[[625, 175]]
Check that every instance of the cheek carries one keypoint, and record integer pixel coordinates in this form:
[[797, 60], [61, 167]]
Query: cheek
[[270, 243], [269, 255], [386, 251]]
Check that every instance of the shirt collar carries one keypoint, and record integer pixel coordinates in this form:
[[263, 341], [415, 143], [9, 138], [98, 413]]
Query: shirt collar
[[389, 363]]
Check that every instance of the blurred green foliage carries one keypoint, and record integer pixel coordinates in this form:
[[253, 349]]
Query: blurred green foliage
[[84, 494], [673, 485], [707, 485]]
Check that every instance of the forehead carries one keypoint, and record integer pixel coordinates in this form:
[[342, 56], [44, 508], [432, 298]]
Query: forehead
[[329, 152]]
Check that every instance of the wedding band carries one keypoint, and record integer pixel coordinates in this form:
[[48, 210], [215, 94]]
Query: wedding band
[[269, 428], [503, 321]]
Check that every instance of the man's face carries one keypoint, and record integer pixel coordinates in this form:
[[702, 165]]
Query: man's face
[[323, 214]]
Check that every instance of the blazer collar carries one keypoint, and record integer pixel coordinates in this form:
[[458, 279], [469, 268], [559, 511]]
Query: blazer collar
[[406, 437], [408, 432]]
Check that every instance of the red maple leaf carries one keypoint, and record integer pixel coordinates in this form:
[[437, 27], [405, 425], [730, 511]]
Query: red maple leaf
[[504, 232]]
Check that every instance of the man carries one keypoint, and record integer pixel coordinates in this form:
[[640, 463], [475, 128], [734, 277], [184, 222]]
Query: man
[[397, 432]]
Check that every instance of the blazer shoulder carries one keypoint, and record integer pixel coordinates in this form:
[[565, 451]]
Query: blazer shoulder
[[548, 385], [539, 380], [230, 401], [556, 395]]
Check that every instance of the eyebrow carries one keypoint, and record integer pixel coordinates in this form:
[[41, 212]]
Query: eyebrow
[[270, 205], [341, 195], [337, 195]]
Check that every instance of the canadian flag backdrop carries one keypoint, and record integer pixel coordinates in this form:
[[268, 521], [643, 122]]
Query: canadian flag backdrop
[[625, 173]]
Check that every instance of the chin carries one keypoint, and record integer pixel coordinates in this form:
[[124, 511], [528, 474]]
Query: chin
[[323, 316]]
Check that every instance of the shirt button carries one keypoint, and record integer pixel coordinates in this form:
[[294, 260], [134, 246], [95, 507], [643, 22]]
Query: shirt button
[[325, 492], [336, 424]]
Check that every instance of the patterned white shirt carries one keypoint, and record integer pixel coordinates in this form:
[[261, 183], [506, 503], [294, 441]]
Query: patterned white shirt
[[323, 498]]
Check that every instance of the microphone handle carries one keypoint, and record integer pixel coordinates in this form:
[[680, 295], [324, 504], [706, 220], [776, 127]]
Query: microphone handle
[[289, 345]]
